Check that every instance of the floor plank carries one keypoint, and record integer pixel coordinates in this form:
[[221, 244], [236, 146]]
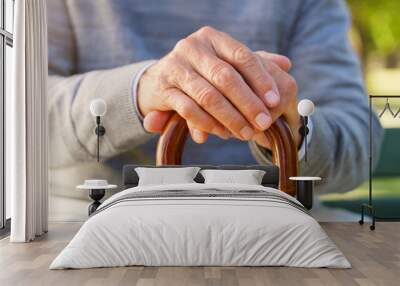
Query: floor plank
[[375, 257]]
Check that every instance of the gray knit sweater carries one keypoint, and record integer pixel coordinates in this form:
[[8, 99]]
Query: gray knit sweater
[[96, 48]]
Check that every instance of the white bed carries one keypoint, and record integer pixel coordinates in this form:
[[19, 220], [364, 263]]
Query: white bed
[[249, 226]]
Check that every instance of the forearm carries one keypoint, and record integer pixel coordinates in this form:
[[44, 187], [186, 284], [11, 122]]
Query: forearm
[[338, 149], [71, 125]]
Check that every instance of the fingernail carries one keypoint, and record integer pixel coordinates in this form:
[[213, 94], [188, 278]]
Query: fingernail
[[247, 133], [272, 97], [263, 120], [197, 135]]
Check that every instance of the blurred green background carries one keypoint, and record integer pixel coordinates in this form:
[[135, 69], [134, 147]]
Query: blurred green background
[[375, 35]]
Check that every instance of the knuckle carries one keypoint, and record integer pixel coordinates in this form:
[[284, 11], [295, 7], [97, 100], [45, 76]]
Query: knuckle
[[187, 76], [206, 31], [242, 55], [262, 53], [179, 75], [174, 75], [189, 41], [207, 97], [170, 60], [182, 45], [170, 57], [222, 75]]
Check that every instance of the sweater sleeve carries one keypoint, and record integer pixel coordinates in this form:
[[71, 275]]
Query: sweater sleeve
[[328, 73], [71, 125]]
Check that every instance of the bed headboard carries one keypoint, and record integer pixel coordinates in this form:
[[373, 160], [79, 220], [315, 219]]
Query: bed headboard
[[284, 149], [271, 178]]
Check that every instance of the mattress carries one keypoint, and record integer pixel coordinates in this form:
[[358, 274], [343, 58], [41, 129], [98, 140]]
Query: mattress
[[201, 225]]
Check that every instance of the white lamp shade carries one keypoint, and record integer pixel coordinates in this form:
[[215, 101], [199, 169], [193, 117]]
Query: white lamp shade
[[98, 107], [305, 107]]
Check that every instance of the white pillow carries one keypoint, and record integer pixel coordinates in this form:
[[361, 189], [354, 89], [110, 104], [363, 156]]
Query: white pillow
[[248, 177], [163, 176]]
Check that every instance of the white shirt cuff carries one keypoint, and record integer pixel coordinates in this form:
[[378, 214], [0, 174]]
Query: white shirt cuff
[[135, 88], [302, 149]]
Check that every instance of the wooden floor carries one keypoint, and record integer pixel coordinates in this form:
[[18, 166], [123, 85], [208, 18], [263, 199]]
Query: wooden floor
[[375, 257]]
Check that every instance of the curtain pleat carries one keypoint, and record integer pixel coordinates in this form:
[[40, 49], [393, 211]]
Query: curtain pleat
[[28, 119]]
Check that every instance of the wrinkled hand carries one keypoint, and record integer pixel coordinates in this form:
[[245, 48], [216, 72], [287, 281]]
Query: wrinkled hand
[[218, 86]]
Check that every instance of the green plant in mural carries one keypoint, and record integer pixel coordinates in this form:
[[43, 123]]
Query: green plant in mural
[[378, 24]]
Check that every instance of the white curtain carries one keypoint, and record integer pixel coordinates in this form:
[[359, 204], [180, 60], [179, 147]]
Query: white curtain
[[26, 117]]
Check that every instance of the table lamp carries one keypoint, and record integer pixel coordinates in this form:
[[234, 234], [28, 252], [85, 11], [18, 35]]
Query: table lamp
[[305, 185], [98, 109], [305, 109]]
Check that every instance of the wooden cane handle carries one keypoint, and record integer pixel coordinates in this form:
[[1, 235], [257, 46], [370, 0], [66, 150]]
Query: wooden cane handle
[[284, 152]]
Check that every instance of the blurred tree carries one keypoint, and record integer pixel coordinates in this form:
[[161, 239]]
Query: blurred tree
[[378, 24]]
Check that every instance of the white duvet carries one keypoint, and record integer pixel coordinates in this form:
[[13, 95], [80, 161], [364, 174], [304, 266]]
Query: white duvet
[[188, 231]]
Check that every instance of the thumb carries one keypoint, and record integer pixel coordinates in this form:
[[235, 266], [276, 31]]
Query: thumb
[[282, 61], [155, 121]]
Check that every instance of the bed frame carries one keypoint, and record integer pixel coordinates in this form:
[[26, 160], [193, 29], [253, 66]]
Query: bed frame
[[130, 178], [284, 150]]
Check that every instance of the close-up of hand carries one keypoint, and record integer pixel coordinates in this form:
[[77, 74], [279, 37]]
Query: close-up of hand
[[219, 86]]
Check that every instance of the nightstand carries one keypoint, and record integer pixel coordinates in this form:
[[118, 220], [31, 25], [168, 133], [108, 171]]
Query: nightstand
[[97, 190], [305, 187]]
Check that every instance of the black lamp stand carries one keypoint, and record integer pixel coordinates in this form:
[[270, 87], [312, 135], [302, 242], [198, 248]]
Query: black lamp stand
[[304, 132], [96, 195], [305, 193], [100, 131]]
